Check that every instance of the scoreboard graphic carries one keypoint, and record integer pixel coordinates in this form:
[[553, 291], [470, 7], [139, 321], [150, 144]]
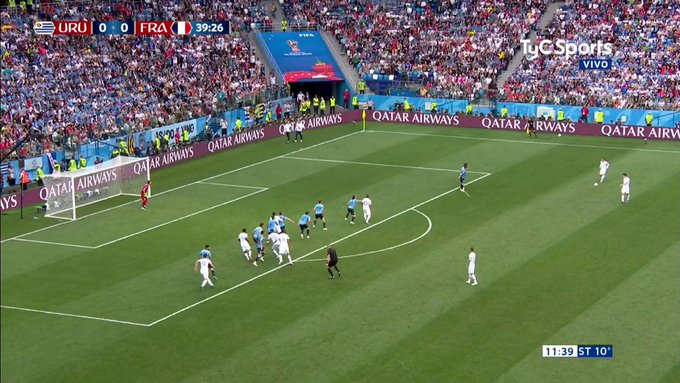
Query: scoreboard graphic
[[129, 27]]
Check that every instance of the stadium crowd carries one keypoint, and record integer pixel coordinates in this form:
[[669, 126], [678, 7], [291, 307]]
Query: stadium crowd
[[70, 90], [455, 48], [646, 38]]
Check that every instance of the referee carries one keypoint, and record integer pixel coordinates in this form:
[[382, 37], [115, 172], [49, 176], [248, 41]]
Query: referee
[[332, 261]]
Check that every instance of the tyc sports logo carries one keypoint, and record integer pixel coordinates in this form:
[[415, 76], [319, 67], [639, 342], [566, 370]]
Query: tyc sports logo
[[568, 49]]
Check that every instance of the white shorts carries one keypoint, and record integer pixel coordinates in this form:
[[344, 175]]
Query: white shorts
[[245, 247], [625, 190], [205, 274], [603, 173], [367, 212], [471, 269], [283, 250]]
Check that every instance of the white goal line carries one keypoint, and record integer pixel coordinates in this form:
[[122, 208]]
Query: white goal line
[[380, 164]]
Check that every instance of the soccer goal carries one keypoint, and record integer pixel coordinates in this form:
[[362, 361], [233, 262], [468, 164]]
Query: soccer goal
[[69, 190]]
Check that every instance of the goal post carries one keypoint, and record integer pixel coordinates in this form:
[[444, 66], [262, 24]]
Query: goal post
[[66, 191]]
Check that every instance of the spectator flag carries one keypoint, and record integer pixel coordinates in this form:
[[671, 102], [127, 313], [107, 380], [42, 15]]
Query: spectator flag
[[131, 144], [43, 28], [4, 168]]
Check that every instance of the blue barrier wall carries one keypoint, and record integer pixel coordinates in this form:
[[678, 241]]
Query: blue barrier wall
[[663, 118], [302, 56]]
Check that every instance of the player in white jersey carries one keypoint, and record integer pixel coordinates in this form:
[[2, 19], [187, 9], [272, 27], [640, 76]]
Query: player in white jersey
[[277, 222], [204, 265], [472, 257], [604, 166], [367, 203], [273, 237], [299, 126], [625, 189], [284, 247], [245, 246], [288, 128]]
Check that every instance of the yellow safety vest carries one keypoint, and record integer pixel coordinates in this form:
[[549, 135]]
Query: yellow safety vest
[[185, 134], [40, 173], [355, 100], [284, 25], [316, 101], [362, 85], [57, 167], [322, 104], [434, 105], [649, 118], [12, 4], [238, 124], [407, 106], [22, 5], [332, 101], [468, 109], [560, 115], [72, 166], [504, 112], [157, 141], [83, 162], [599, 117]]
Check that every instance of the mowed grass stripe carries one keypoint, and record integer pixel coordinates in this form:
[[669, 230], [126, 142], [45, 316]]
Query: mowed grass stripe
[[639, 318], [394, 295], [141, 289], [492, 330]]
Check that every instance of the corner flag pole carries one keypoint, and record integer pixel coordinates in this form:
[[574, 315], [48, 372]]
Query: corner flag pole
[[363, 119]]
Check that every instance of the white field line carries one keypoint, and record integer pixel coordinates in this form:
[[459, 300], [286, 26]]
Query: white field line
[[524, 142], [55, 243], [231, 185], [429, 228], [310, 253], [74, 316], [186, 185], [378, 164], [180, 218]]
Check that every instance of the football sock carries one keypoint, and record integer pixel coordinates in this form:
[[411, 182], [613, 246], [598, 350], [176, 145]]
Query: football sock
[[290, 259], [336, 269], [330, 272]]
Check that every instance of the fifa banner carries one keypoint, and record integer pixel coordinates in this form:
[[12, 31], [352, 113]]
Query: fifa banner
[[101, 179], [570, 128], [33, 163], [302, 56], [35, 196]]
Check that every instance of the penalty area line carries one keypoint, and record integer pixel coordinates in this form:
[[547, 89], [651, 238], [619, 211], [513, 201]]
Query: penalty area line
[[74, 316], [310, 253], [427, 231], [378, 164], [183, 186]]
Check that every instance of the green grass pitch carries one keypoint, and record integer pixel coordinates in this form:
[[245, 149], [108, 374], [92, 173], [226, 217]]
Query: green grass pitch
[[559, 262]]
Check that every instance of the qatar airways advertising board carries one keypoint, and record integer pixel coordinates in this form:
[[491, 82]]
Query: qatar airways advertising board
[[35, 196]]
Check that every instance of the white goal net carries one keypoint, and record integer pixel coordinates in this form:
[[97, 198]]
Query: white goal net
[[69, 190]]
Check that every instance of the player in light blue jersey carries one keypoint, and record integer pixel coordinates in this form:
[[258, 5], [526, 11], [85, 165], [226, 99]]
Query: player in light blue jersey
[[259, 241], [272, 224], [304, 224], [318, 214], [463, 177], [282, 221], [205, 253], [350, 209]]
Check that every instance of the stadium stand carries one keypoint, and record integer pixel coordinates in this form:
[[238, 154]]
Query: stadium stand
[[646, 37], [452, 48], [71, 90]]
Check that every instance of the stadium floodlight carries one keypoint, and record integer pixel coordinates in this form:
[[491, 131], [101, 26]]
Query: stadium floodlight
[[66, 191]]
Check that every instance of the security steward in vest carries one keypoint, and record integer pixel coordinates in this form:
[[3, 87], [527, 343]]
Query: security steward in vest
[[73, 166], [322, 106], [407, 106], [40, 176], [649, 119], [434, 107], [504, 112], [332, 102], [362, 87], [560, 115], [316, 105], [83, 162], [355, 102], [468, 110], [284, 25]]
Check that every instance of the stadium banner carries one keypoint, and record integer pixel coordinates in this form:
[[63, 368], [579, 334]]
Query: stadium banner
[[33, 163], [572, 128], [151, 134], [302, 56], [37, 196]]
